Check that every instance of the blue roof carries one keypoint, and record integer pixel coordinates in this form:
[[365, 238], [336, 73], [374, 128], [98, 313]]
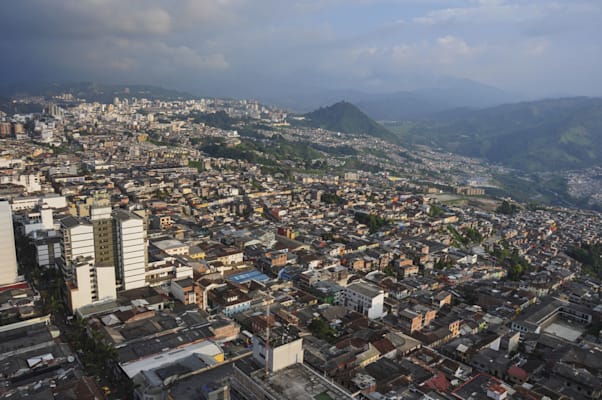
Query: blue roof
[[253, 275]]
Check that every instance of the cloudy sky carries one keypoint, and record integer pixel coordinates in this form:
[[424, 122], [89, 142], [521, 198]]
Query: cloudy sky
[[243, 47]]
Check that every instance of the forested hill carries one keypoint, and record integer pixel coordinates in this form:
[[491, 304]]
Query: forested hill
[[544, 135], [344, 117]]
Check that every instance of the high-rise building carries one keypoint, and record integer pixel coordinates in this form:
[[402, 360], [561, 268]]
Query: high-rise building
[[87, 280], [131, 248], [102, 221], [8, 255], [77, 242]]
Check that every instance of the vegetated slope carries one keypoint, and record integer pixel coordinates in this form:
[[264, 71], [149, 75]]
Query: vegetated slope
[[346, 118], [541, 135]]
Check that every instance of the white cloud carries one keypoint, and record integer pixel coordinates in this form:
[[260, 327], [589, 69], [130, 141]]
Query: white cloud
[[340, 43]]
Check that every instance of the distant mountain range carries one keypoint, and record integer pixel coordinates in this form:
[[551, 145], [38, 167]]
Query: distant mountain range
[[422, 103], [546, 135], [445, 94], [346, 118], [91, 91]]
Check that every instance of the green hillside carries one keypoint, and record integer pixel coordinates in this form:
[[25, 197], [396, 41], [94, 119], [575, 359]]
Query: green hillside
[[346, 118], [544, 135]]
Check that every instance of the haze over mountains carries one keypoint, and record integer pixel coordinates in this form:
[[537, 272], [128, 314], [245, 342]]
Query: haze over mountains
[[444, 94]]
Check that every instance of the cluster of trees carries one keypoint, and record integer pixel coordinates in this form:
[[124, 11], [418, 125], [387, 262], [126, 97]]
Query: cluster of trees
[[332, 198], [443, 263], [472, 235], [320, 329], [507, 208], [243, 151], [95, 352], [435, 211], [468, 235], [374, 222], [517, 266], [196, 164], [341, 150], [219, 119], [590, 255]]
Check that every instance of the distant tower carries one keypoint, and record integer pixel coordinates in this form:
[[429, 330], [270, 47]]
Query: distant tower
[[8, 255]]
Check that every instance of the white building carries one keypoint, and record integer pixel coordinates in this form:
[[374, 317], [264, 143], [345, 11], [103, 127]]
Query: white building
[[87, 282], [51, 200], [131, 249], [365, 298], [172, 247], [8, 255], [31, 182], [77, 242], [40, 220], [165, 270], [90, 283], [284, 349], [48, 247]]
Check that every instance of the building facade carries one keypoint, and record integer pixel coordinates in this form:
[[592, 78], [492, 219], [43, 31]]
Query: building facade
[[8, 254], [365, 298], [131, 248]]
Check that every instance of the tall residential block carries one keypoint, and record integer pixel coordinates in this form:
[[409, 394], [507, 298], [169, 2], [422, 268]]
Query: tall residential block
[[131, 248], [8, 255], [102, 221], [77, 242], [87, 280]]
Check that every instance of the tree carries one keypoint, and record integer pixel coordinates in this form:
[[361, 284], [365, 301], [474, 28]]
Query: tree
[[472, 235], [389, 270], [320, 329], [515, 272], [374, 222], [435, 211], [53, 305], [507, 208], [590, 255]]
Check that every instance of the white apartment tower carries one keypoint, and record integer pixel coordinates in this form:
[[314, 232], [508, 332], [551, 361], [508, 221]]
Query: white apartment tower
[[77, 242], [8, 255], [87, 281], [131, 247]]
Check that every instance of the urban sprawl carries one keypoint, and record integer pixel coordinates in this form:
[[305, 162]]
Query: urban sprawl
[[133, 264]]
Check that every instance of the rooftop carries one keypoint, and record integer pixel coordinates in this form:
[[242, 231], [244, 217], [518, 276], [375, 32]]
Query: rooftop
[[365, 288], [297, 382]]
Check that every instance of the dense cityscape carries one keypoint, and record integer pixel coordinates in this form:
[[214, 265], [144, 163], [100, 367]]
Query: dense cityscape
[[221, 249]]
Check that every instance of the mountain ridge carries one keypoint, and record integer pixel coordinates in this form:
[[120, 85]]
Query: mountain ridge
[[543, 135], [345, 117]]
